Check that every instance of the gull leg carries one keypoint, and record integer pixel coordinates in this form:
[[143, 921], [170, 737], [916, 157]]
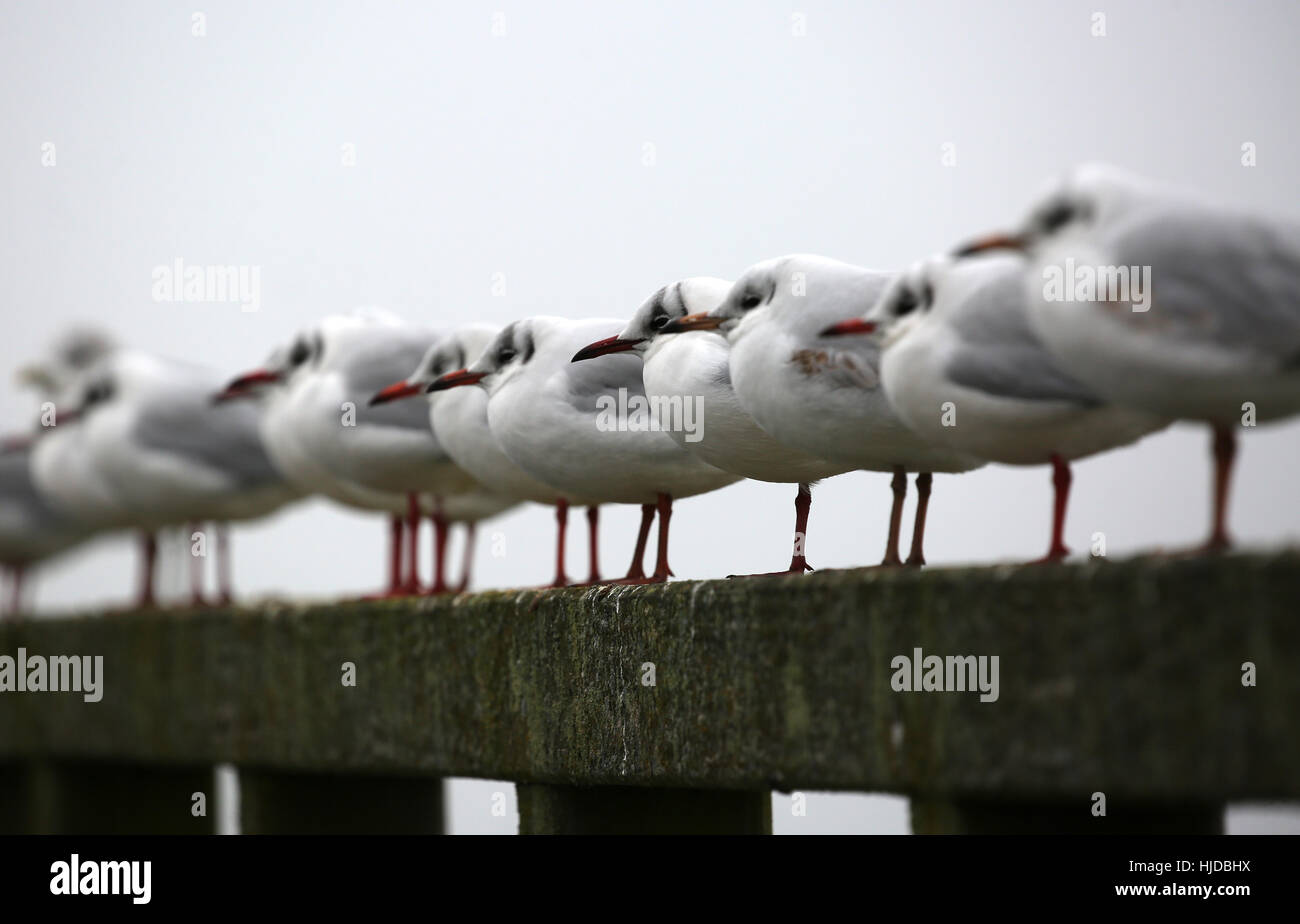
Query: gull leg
[[395, 530], [561, 538], [916, 557], [439, 550], [636, 571], [1061, 479], [467, 563], [411, 584], [798, 563], [662, 571], [1225, 453], [593, 524], [196, 567], [225, 594], [148, 564], [899, 486]]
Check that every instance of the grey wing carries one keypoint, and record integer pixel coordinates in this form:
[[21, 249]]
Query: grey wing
[[1228, 277], [585, 382], [382, 361], [219, 436], [999, 353]]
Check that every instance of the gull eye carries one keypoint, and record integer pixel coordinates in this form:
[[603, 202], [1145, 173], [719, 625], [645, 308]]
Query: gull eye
[[906, 303], [505, 354], [1057, 217], [300, 353], [658, 321], [750, 300]]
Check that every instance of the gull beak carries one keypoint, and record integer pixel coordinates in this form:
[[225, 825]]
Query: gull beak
[[394, 392], [991, 242], [37, 376], [851, 326], [701, 321], [246, 385], [456, 379], [608, 345]]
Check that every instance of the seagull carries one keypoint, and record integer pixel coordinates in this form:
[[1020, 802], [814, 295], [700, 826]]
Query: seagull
[[1164, 303], [390, 453], [963, 368], [155, 452], [819, 394], [31, 530], [582, 427], [696, 366], [460, 421]]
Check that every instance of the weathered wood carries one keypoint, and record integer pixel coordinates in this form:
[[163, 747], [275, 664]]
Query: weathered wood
[[545, 809], [1119, 677], [108, 797], [275, 802], [1007, 816]]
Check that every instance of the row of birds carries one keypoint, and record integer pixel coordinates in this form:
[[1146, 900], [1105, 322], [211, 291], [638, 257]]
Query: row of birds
[[804, 368]]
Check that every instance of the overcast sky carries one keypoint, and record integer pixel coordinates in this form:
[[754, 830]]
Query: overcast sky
[[582, 159]]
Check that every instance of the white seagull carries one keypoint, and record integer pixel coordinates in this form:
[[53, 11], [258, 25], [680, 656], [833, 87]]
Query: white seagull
[[1164, 303], [155, 452], [584, 428], [460, 422], [963, 368], [31, 530], [682, 367], [819, 394], [389, 453]]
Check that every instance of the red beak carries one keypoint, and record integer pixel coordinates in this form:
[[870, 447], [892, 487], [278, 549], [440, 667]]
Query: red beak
[[456, 379], [394, 392], [603, 347], [990, 242], [246, 385], [701, 320], [851, 326]]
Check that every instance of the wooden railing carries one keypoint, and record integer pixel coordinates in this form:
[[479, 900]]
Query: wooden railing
[[1166, 687]]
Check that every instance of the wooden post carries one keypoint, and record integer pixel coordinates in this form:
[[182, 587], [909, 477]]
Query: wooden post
[[546, 809], [986, 816], [103, 797], [283, 802]]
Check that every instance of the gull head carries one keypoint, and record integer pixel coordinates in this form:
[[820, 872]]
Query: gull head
[[449, 354], [1088, 197], [502, 360], [678, 308]]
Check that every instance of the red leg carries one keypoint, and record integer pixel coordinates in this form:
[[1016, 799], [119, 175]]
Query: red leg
[[467, 563], [798, 563], [148, 564], [1061, 479], [561, 537], [1225, 453], [16, 574], [440, 585], [411, 584], [662, 571], [899, 485], [395, 529], [916, 557], [225, 594], [636, 571], [593, 547], [196, 565]]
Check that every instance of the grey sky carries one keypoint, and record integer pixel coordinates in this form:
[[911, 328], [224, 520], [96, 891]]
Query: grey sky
[[525, 155]]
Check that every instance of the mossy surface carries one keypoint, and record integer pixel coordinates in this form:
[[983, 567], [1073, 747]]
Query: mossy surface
[[1122, 677]]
